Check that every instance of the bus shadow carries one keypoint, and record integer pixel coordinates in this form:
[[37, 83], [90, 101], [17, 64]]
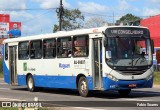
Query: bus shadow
[[133, 94], [96, 94]]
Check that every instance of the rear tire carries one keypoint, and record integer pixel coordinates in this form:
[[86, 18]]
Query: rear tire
[[83, 87], [125, 92], [30, 83]]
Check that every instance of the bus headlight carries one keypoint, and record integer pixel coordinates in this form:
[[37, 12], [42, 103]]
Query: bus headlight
[[111, 77], [149, 77]]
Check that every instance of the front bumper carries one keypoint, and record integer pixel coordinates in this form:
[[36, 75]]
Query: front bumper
[[127, 84]]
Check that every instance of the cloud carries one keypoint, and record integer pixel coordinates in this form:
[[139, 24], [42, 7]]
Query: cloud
[[123, 5], [150, 12], [20, 16], [40, 23], [12, 4], [51, 3], [155, 1], [38, 27], [92, 7]]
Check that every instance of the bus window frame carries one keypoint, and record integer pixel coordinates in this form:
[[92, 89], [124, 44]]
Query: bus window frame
[[31, 41], [27, 50], [87, 45], [61, 47], [52, 48]]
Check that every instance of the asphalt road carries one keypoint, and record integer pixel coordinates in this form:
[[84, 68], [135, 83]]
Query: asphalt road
[[139, 98]]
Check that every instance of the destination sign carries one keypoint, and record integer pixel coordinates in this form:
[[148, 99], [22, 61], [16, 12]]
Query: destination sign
[[124, 31]]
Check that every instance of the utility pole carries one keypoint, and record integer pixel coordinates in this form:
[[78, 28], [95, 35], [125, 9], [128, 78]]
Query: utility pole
[[61, 12]]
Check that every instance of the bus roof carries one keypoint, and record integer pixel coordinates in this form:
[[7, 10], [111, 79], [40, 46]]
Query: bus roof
[[64, 33]]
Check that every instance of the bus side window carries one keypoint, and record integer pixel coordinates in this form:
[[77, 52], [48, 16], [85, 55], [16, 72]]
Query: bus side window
[[80, 46], [36, 49], [23, 50], [6, 51], [49, 48], [64, 47]]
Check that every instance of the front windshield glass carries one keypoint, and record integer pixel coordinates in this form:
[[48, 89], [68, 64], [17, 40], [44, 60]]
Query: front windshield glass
[[128, 51]]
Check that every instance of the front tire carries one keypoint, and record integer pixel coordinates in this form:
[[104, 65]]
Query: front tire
[[30, 83], [124, 92], [83, 87]]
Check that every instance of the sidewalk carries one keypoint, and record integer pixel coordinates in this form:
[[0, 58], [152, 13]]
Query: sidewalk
[[156, 86]]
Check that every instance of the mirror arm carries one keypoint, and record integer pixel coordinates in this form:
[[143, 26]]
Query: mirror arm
[[105, 38]]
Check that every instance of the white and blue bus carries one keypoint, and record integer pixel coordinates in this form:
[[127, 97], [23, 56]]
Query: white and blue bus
[[104, 58]]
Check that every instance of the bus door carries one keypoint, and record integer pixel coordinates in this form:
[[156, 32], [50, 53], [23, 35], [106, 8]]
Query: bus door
[[97, 63], [13, 64]]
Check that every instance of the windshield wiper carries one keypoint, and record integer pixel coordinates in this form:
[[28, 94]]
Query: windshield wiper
[[142, 56]]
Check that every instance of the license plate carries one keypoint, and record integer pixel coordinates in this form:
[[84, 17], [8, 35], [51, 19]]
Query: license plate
[[132, 85]]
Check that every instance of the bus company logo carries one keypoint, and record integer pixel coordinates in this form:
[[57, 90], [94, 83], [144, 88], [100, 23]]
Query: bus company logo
[[64, 65], [25, 66]]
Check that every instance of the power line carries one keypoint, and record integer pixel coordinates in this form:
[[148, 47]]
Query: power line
[[28, 9], [30, 20]]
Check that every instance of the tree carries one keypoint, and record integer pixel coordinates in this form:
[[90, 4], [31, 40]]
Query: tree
[[95, 22], [129, 19], [72, 19]]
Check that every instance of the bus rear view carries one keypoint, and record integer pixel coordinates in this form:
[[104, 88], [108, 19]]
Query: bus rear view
[[128, 57]]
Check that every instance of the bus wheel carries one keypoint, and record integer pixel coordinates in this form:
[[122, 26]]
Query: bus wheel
[[83, 87], [124, 92], [30, 83]]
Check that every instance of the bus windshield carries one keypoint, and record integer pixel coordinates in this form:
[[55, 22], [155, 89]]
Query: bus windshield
[[128, 51]]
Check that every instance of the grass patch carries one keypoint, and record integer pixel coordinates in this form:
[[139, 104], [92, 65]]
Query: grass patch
[[156, 78], [15, 108], [1, 76], [8, 108]]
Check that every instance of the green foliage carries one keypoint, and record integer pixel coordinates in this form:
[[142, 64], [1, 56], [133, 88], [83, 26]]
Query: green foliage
[[6, 108], [72, 19], [157, 78], [128, 18]]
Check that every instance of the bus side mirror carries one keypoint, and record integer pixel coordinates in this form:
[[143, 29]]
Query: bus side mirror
[[152, 46]]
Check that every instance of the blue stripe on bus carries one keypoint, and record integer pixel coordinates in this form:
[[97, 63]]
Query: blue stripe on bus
[[54, 81], [70, 82]]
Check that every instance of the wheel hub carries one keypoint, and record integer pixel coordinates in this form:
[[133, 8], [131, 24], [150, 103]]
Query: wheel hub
[[30, 83], [83, 86]]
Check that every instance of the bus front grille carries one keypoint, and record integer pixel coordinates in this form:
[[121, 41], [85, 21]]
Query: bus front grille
[[124, 72]]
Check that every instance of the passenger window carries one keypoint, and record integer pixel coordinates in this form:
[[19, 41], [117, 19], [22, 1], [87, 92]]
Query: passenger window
[[49, 48], [64, 47], [80, 46], [23, 50], [6, 51], [36, 49]]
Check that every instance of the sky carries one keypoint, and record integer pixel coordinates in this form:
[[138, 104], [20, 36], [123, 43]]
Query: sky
[[42, 21]]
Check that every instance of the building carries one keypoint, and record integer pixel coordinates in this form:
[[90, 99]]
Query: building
[[153, 23]]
